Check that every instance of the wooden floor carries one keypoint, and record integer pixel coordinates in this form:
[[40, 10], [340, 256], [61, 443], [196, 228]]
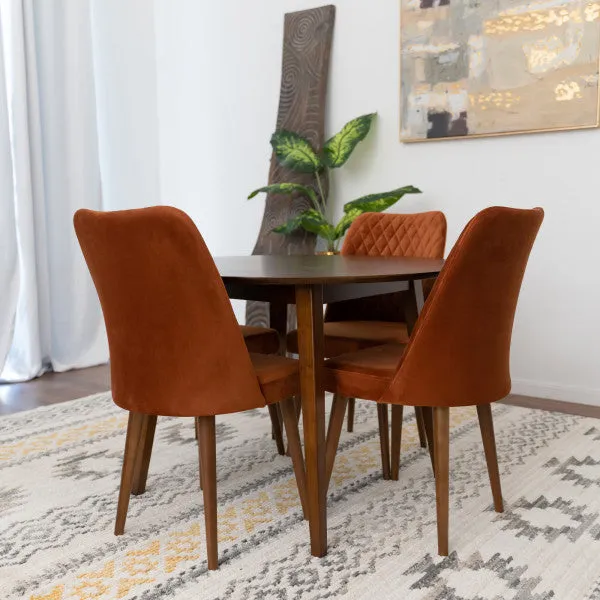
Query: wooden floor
[[52, 388], [61, 387]]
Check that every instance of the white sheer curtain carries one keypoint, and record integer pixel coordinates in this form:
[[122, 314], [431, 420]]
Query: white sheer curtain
[[49, 167]]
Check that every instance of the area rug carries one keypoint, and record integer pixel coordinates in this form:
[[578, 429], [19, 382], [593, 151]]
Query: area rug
[[59, 473]]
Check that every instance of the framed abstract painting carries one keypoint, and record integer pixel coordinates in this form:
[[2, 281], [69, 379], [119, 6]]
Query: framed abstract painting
[[473, 68]]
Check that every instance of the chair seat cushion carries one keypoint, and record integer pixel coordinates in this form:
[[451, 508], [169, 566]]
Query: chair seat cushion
[[364, 374], [342, 337], [278, 376], [260, 339]]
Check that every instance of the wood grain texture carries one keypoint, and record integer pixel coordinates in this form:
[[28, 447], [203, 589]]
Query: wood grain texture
[[278, 321], [278, 271], [427, 414], [307, 41], [486, 424], [309, 301], [351, 407], [52, 388], [135, 426], [384, 439], [208, 458], [397, 413], [336, 422], [290, 419], [143, 456], [441, 434], [277, 432]]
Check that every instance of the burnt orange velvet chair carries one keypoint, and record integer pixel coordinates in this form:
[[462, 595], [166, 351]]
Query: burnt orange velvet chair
[[262, 340], [357, 324], [175, 346], [458, 354]]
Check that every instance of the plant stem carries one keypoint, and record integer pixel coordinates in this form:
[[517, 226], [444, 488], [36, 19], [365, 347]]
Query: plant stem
[[315, 202], [321, 193]]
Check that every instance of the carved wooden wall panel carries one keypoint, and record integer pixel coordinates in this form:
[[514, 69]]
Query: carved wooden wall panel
[[308, 36]]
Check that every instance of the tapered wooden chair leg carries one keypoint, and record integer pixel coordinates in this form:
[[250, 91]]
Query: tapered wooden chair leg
[[296, 402], [336, 422], [335, 413], [384, 439], [197, 427], [288, 409], [486, 424], [276, 428], [143, 458], [280, 417], [441, 433], [397, 413], [298, 405], [132, 443], [351, 405], [428, 424], [208, 453], [421, 426]]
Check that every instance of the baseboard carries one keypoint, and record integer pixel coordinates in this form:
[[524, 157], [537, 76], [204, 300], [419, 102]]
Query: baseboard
[[564, 393]]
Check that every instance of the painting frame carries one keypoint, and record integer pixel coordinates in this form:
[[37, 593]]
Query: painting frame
[[418, 140]]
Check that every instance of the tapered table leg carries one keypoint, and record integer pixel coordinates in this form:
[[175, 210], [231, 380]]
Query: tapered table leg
[[413, 304], [278, 321], [309, 302]]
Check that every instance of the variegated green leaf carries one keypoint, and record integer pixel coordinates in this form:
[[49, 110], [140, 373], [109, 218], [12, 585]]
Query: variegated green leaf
[[345, 222], [287, 188], [295, 152], [290, 226], [379, 202], [338, 149], [310, 220]]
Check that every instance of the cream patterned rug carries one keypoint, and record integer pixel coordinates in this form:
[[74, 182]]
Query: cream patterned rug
[[59, 472]]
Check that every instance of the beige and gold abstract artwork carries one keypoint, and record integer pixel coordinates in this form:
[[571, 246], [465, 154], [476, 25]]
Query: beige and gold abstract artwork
[[493, 67]]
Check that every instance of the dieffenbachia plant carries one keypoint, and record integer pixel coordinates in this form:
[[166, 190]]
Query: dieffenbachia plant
[[296, 153]]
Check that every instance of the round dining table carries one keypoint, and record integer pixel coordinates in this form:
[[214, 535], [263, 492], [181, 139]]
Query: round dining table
[[309, 282]]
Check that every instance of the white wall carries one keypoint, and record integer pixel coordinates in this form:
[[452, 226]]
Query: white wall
[[125, 71], [218, 82]]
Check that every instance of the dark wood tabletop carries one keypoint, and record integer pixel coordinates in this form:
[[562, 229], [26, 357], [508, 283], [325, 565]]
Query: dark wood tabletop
[[307, 270]]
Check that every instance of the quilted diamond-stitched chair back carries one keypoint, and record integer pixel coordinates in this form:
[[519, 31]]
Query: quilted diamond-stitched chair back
[[420, 235]]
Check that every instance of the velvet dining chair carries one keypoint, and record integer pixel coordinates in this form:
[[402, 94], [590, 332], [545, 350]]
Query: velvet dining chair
[[175, 346], [263, 340], [458, 354], [367, 322]]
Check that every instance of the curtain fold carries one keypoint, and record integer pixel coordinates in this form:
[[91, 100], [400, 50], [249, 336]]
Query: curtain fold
[[9, 271], [50, 93]]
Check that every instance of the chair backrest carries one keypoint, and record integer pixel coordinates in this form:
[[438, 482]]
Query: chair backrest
[[459, 351], [421, 235], [175, 345]]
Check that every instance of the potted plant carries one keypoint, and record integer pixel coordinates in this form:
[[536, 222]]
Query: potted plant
[[296, 153]]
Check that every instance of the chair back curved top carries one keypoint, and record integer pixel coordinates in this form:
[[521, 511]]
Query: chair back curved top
[[175, 346], [459, 351], [421, 235]]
